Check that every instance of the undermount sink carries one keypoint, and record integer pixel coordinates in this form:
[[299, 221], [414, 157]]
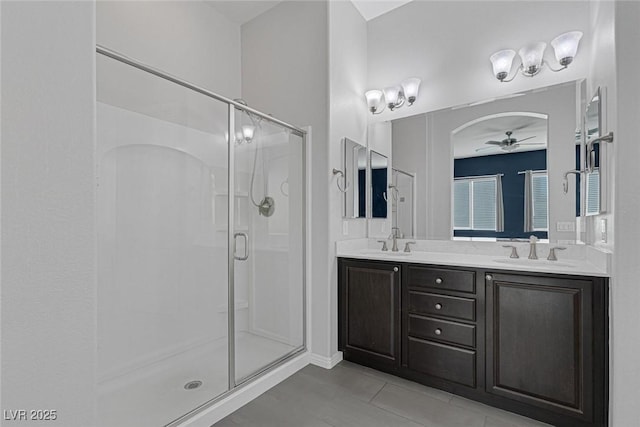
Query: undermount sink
[[534, 262], [385, 253]]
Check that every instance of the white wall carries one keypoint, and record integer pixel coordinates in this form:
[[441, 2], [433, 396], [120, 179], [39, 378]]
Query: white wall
[[625, 292], [48, 239], [188, 39], [410, 155], [285, 73], [447, 44], [602, 74], [347, 118]]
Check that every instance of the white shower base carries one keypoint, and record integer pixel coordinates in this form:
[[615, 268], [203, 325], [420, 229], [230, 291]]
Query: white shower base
[[155, 395]]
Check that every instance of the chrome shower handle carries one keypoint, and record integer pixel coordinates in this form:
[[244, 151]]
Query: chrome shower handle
[[246, 246]]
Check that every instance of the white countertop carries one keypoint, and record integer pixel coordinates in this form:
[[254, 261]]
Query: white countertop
[[581, 263]]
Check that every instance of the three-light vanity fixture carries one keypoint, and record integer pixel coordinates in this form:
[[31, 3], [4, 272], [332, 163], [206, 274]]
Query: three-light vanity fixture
[[393, 96], [565, 47]]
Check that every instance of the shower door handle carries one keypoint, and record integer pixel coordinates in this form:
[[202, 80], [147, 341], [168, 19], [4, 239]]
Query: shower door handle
[[246, 246]]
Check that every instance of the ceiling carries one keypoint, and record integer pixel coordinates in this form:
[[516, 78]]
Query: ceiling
[[467, 141], [370, 9], [242, 11]]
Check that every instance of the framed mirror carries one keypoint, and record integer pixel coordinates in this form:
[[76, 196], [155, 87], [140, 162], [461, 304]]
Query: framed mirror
[[355, 171], [592, 177], [379, 166]]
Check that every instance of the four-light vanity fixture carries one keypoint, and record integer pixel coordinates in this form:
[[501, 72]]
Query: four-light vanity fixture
[[565, 47], [393, 96]]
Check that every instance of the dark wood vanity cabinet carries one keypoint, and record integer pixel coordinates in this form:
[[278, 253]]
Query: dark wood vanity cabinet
[[531, 343], [369, 307], [545, 343]]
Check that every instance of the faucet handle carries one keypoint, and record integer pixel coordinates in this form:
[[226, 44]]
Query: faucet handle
[[407, 248], [552, 252], [384, 245], [514, 251]]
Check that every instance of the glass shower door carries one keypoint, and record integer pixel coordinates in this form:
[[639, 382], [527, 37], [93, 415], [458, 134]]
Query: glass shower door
[[269, 244], [162, 156]]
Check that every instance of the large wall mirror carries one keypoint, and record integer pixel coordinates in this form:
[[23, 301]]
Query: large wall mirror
[[355, 169], [494, 169]]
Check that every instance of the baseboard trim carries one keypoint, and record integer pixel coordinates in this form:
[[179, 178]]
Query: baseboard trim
[[246, 394], [325, 362]]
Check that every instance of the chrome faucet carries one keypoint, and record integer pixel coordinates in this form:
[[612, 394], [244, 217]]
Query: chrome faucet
[[394, 238], [532, 247], [552, 252]]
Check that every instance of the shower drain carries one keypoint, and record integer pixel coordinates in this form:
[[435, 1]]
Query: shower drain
[[192, 385]]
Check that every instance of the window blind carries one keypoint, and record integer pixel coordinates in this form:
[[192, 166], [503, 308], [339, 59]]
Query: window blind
[[593, 192], [475, 204]]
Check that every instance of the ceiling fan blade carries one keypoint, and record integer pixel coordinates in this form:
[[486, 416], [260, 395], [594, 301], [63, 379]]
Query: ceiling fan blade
[[483, 148], [524, 139], [533, 143], [522, 126], [494, 142]]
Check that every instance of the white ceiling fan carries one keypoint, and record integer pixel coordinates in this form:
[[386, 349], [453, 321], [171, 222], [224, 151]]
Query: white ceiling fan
[[509, 143]]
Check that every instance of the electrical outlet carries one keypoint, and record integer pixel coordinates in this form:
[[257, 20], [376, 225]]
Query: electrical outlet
[[603, 230], [345, 228], [565, 226]]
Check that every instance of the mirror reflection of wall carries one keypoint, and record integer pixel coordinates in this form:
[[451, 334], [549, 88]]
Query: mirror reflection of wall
[[379, 170], [427, 144], [355, 169], [402, 203], [500, 177]]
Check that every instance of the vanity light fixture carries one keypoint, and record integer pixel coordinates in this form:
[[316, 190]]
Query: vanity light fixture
[[393, 97], [531, 55]]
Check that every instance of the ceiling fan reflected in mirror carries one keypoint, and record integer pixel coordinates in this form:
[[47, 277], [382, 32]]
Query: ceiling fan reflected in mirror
[[509, 143]]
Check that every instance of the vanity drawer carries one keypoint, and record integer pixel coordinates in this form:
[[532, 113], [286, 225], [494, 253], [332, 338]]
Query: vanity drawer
[[442, 330], [442, 278], [442, 305], [442, 361]]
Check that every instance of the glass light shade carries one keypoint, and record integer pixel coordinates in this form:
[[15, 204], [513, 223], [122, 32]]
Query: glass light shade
[[531, 55], [239, 137], [502, 62], [392, 94], [247, 132], [410, 87], [566, 46], [374, 100]]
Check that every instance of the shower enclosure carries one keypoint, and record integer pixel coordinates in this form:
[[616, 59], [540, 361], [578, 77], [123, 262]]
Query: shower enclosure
[[201, 252]]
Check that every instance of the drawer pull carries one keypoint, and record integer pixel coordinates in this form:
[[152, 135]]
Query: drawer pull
[[439, 280], [438, 331], [395, 269], [438, 306]]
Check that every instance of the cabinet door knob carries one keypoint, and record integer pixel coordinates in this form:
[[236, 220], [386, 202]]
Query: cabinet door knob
[[488, 277], [438, 280], [438, 306], [438, 331], [395, 269]]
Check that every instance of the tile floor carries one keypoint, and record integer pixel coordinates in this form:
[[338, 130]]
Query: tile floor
[[351, 395]]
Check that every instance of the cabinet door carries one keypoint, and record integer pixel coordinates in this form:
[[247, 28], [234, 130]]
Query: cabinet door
[[369, 301], [540, 342]]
